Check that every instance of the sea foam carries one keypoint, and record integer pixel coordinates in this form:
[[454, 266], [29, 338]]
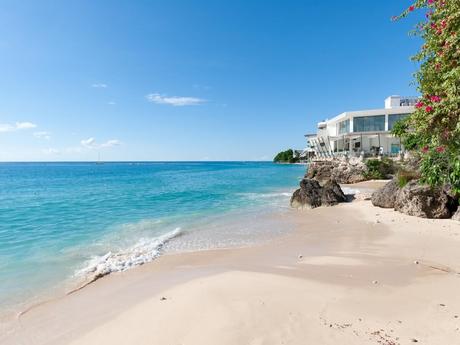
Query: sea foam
[[145, 250]]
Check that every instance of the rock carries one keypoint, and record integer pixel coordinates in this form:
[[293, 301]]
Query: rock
[[375, 282], [332, 194], [351, 170], [320, 170], [308, 195], [424, 201], [311, 194], [300, 256], [416, 262], [456, 215], [386, 196], [340, 170]]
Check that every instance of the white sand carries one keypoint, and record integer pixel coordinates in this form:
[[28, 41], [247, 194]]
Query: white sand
[[347, 276]]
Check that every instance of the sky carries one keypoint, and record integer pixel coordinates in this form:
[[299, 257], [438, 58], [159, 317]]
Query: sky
[[192, 79]]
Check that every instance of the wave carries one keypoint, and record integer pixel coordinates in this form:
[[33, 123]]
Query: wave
[[254, 196], [350, 191], [145, 250]]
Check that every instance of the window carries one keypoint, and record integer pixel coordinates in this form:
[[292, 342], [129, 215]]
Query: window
[[369, 123], [344, 127], [392, 119]]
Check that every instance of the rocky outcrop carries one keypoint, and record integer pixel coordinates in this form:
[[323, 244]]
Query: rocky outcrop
[[311, 194], [386, 196], [332, 194], [424, 201], [351, 170], [344, 170], [320, 170]]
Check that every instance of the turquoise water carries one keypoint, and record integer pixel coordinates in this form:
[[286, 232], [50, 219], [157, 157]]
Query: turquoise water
[[64, 221]]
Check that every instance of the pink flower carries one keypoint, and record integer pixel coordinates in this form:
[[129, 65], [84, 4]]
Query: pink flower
[[440, 149], [411, 8], [425, 149], [435, 99], [430, 2], [419, 104], [429, 109]]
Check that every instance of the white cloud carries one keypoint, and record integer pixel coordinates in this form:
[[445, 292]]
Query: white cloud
[[51, 151], [111, 103], [7, 127], [99, 85], [91, 143], [111, 143], [174, 100], [25, 125], [42, 135]]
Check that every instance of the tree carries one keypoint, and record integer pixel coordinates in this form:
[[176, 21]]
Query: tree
[[286, 157], [436, 121]]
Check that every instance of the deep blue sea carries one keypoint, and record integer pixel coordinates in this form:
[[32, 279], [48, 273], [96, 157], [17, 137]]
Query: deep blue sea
[[64, 222]]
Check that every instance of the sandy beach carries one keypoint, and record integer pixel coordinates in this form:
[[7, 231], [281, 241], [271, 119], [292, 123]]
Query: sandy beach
[[351, 274]]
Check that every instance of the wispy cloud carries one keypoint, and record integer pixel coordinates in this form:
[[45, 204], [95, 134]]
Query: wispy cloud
[[91, 143], [111, 103], [99, 85], [175, 101], [7, 127], [51, 151], [42, 135]]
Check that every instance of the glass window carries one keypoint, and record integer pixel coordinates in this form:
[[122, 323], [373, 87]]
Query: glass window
[[344, 127], [392, 119], [369, 123]]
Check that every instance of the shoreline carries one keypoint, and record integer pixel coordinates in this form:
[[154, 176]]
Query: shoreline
[[357, 247], [71, 285], [87, 274]]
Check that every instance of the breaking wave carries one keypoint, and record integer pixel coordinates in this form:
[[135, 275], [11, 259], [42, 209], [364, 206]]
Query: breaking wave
[[145, 250]]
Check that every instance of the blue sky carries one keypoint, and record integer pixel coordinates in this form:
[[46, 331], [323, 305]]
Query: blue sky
[[190, 80]]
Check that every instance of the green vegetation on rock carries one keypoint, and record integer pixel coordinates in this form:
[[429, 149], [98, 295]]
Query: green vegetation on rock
[[379, 169], [286, 157]]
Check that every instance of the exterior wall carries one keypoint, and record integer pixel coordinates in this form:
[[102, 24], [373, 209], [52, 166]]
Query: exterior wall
[[332, 137], [332, 125]]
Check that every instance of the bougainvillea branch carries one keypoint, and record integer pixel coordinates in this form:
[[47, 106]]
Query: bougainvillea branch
[[436, 120]]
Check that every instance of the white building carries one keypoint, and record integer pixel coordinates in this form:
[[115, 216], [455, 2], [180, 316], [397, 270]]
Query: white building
[[365, 132]]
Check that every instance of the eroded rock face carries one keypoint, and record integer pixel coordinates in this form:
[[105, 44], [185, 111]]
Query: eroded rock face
[[341, 170], [386, 196], [311, 194], [349, 171], [332, 194], [424, 201], [320, 170]]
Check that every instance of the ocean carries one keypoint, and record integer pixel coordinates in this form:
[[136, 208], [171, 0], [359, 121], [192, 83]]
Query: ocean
[[65, 223]]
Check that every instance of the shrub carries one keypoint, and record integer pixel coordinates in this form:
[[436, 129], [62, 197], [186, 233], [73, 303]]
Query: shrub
[[434, 128], [379, 169], [405, 176]]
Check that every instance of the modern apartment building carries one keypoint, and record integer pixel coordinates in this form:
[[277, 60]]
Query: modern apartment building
[[365, 132]]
